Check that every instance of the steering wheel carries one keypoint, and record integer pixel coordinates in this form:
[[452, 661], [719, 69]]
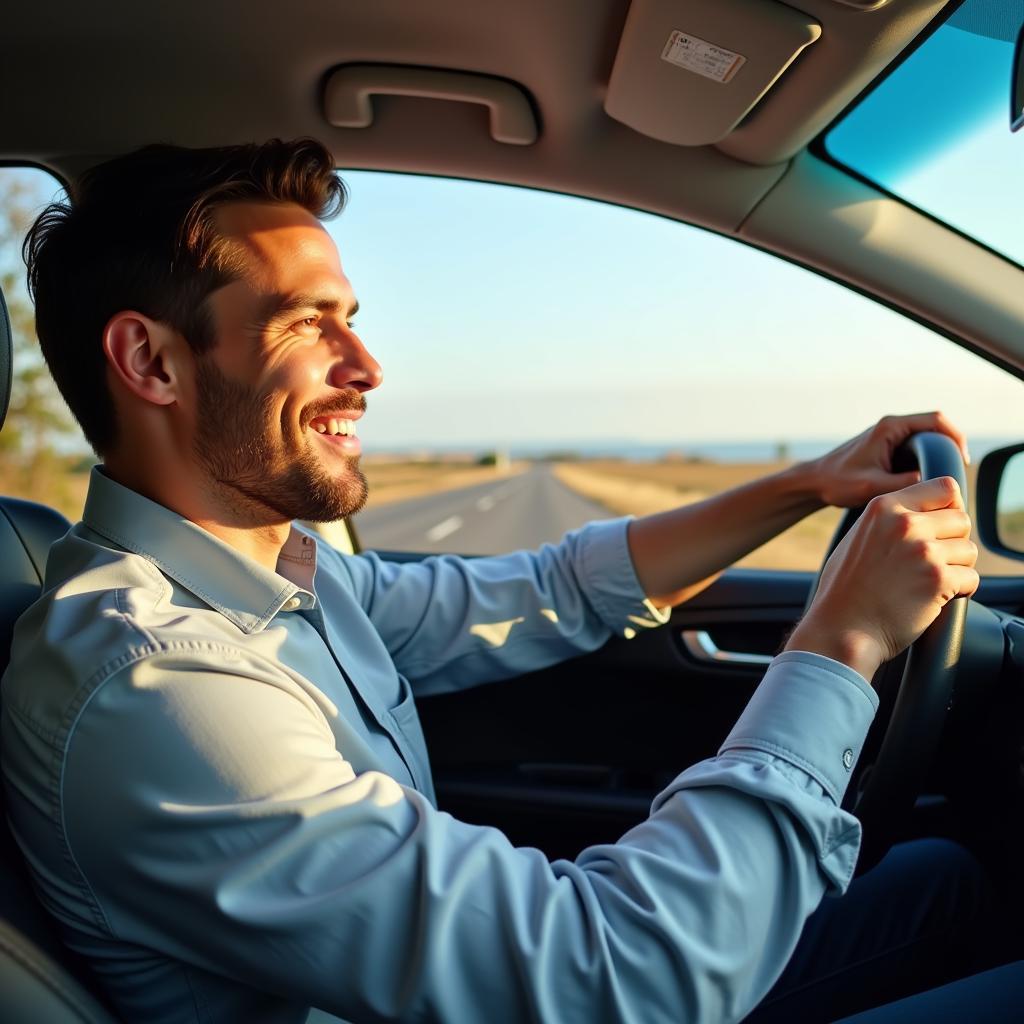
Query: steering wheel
[[882, 791]]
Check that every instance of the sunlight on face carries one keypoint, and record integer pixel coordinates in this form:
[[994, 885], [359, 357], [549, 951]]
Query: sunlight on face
[[279, 394]]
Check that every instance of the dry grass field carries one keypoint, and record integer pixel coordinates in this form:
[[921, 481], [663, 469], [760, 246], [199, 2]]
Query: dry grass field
[[639, 488], [395, 480], [54, 483]]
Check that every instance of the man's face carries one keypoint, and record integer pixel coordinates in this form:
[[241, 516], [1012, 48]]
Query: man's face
[[278, 396]]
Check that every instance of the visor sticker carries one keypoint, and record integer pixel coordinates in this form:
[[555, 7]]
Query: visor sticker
[[715, 62]]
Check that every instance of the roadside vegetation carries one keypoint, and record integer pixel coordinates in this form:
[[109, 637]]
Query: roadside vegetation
[[39, 456], [397, 479], [639, 488]]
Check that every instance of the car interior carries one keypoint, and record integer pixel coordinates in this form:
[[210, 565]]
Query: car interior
[[713, 113]]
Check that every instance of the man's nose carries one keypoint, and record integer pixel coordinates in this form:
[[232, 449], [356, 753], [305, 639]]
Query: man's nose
[[354, 367]]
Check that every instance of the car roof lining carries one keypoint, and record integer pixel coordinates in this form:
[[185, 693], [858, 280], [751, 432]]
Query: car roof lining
[[115, 83]]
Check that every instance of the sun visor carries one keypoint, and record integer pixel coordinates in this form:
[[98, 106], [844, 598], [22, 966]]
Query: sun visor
[[688, 71]]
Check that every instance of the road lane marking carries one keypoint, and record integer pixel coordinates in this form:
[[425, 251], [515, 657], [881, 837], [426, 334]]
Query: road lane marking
[[486, 503], [439, 532]]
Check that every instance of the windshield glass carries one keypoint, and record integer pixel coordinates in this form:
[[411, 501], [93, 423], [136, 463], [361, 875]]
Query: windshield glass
[[936, 132]]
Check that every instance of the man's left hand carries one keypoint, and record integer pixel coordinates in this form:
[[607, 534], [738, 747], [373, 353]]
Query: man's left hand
[[857, 471]]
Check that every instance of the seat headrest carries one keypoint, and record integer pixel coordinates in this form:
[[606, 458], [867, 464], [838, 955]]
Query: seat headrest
[[6, 359]]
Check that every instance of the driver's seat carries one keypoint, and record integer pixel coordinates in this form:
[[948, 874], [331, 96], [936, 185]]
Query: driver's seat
[[40, 979]]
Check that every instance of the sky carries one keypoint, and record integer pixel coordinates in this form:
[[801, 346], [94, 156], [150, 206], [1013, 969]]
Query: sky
[[522, 320], [522, 317]]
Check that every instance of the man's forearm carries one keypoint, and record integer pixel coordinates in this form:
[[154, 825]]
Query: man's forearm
[[677, 554]]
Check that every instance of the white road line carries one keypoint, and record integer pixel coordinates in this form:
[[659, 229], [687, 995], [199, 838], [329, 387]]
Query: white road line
[[486, 503], [439, 532]]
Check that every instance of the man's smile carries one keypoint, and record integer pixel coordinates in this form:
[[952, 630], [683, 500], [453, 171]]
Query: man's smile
[[338, 431]]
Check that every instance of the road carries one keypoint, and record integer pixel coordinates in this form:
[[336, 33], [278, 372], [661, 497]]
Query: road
[[509, 513]]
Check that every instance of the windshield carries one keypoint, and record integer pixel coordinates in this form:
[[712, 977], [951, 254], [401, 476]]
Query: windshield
[[936, 132]]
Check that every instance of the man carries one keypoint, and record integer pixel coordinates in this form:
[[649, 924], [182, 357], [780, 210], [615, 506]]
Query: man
[[211, 747]]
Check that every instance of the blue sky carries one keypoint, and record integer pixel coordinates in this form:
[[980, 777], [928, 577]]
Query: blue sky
[[509, 317]]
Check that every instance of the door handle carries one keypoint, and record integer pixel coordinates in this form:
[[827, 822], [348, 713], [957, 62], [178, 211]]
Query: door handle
[[701, 647]]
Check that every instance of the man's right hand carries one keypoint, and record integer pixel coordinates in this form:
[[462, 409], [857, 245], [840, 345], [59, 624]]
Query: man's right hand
[[909, 555]]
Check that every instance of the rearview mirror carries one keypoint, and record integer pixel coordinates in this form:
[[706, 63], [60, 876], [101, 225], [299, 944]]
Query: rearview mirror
[[999, 499], [1017, 84]]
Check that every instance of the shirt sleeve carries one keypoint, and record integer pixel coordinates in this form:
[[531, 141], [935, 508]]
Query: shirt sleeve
[[213, 820], [450, 622]]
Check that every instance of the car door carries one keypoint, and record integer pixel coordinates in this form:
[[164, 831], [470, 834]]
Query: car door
[[616, 725], [551, 361]]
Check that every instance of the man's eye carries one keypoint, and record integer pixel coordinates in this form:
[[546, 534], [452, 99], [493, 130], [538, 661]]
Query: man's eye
[[308, 322], [351, 324]]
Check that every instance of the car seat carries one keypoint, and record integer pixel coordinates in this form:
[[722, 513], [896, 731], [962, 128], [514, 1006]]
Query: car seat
[[40, 979]]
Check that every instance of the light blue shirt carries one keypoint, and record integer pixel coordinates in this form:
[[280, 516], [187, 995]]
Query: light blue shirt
[[217, 775]]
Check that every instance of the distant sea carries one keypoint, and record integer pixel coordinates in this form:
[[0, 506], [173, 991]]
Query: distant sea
[[646, 451]]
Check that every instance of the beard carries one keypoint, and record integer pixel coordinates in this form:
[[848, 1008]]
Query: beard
[[238, 446]]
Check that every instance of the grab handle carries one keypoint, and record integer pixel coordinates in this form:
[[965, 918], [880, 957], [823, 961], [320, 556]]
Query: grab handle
[[349, 88]]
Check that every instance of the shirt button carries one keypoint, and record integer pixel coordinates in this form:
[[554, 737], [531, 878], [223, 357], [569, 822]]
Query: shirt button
[[847, 759], [291, 604]]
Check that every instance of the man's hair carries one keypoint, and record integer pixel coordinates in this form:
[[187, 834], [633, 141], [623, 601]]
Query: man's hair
[[138, 232]]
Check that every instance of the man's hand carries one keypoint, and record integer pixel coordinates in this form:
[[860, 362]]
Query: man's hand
[[677, 554], [909, 554], [857, 471]]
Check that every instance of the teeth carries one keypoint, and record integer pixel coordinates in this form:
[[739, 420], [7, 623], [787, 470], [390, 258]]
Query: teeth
[[344, 428]]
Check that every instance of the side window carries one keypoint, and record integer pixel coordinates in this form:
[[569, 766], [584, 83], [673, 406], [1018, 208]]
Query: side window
[[43, 456], [550, 360]]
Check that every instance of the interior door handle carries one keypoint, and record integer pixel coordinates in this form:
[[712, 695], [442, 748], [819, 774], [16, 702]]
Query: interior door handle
[[349, 88], [701, 647]]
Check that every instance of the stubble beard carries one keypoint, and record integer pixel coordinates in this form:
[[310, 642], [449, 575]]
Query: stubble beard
[[266, 471]]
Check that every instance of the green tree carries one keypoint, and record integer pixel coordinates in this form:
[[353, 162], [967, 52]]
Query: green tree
[[32, 452]]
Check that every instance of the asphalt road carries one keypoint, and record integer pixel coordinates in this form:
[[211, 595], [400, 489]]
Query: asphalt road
[[509, 513]]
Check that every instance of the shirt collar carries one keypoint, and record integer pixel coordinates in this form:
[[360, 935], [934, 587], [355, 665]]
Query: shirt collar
[[233, 584]]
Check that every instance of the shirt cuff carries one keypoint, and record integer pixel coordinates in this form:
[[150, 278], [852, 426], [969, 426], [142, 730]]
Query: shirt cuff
[[609, 580], [811, 711]]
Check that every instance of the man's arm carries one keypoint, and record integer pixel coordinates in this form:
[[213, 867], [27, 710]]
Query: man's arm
[[243, 843], [679, 553], [450, 622]]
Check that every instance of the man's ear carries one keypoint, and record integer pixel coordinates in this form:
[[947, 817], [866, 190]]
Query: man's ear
[[145, 356]]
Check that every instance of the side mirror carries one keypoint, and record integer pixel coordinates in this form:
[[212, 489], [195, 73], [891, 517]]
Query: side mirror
[[1017, 85], [999, 501]]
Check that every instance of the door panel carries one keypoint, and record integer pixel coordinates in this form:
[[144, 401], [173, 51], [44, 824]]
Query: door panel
[[573, 755]]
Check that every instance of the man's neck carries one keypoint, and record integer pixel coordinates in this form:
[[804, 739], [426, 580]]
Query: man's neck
[[259, 537], [262, 543]]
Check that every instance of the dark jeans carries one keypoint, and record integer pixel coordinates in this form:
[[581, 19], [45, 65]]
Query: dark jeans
[[923, 916], [994, 997]]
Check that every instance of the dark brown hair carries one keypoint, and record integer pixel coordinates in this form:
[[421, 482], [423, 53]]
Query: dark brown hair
[[138, 232]]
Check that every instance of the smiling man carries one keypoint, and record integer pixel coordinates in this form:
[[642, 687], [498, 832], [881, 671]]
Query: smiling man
[[269, 425], [211, 745]]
